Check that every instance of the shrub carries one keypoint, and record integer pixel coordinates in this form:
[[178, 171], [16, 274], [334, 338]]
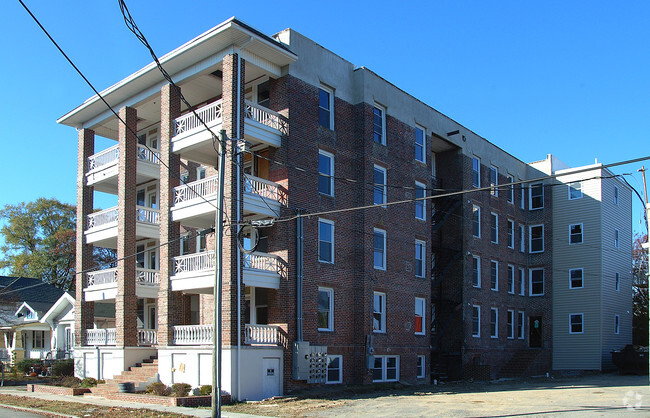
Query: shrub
[[158, 388], [181, 389], [205, 390], [23, 366], [88, 382], [69, 382], [63, 368]]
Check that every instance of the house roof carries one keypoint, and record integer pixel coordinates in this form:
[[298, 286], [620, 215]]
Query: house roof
[[24, 289]]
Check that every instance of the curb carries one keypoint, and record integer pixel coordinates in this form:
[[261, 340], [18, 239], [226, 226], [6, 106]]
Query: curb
[[36, 411]]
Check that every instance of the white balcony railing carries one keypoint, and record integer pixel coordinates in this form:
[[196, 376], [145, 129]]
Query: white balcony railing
[[262, 261], [147, 215], [111, 156], [103, 217], [193, 334], [147, 276], [195, 262], [267, 117], [147, 337], [264, 188], [148, 154], [101, 277], [100, 336], [196, 189], [208, 113], [262, 334]]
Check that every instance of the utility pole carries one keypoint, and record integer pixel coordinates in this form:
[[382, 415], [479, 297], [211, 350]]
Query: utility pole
[[646, 245], [218, 280]]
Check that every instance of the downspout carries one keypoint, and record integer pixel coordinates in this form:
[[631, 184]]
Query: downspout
[[299, 274]]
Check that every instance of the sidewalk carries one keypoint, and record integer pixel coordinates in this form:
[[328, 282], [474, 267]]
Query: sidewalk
[[96, 400]]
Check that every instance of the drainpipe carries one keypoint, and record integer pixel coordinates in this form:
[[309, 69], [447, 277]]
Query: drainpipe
[[99, 369], [299, 274]]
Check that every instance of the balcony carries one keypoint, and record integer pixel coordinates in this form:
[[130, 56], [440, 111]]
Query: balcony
[[102, 226], [253, 335], [195, 202], [107, 336], [103, 168], [193, 335], [102, 284], [264, 335], [194, 273], [194, 142]]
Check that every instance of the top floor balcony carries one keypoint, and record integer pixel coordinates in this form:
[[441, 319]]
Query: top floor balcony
[[103, 168], [193, 141]]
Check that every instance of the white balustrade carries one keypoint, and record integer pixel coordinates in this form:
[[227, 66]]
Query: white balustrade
[[194, 262], [196, 189], [262, 261], [100, 336], [103, 217], [262, 334], [148, 154], [147, 337], [193, 334], [264, 188], [147, 215], [208, 113], [147, 276], [108, 156], [267, 117], [101, 277]]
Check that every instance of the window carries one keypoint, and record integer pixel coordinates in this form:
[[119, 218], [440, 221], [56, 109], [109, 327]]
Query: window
[[420, 366], [575, 234], [616, 195], [536, 282], [325, 241], [575, 190], [476, 321], [386, 369], [379, 312], [380, 185], [420, 144], [200, 173], [476, 172], [617, 282], [433, 164], [334, 368], [325, 173], [536, 196], [510, 319], [522, 196], [522, 239], [476, 271], [617, 324], [536, 234], [522, 282], [575, 323], [38, 339], [494, 323], [616, 242], [511, 189], [494, 275], [325, 113], [419, 316], [379, 253], [520, 325], [420, 205], [494, 181], [511, 234], [511, 279], [379, 125], [576, 279], [476, 221], [494, 228], [325, 309], [419, 258]]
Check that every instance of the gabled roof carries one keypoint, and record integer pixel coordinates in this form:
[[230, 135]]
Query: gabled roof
[[58, 307], [23, 289]]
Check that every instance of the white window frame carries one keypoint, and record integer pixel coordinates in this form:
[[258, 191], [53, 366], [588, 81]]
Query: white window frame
[[582, 323], [420, 366], [420, 304], [423, 259], [510, 198], [382, 109], [384, 369], [329, 156], [476, 213], [379, 187], [530, 282], [476, 309], [420, 188], [494, 228], [331, 224], [530, 239], [494, 314], [510, 321], [571, 234], [575, 190], [617, 324], [616, 195], [522, 238], [381, 312], [494, 284], [530, 196], [381, 232], [40, 339], [330, 93], [511, 279], [331, 357], [617, 282], [522, 196], [423, 145], [511, 233], [582, 278], [476, 283], [521, 325], [617, 241], [494, 180], [522, 281], [330, 312], [476, 171]]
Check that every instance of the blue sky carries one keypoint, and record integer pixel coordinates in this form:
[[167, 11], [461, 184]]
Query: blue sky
[[567, 78]]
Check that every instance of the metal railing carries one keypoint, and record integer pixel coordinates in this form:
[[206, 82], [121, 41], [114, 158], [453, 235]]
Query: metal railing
[[101, 336], [262, 334], [196, 189], [194, 262], [147, 337], [103, 217], [193, 334], [101, 277], [208, 113], [264, 188], [267, 117]]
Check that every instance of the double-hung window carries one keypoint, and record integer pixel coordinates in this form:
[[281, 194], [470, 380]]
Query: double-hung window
[[476, 172], [511, 189], [494, 323], [494, 275], [575, 234], [522, 282], [476, 221], [420, 144], [575, 190], [379, 124], [379, 312], [536, 234], [494, 181], [379, 250], [576, 323], [334, 368], [511, 234], [325, 173], [386, 369], [476, 271], [325, 241], [420, 258], [494, 228], [522, 196], [536, 282], [420, 367], [536, 196], [576, 279], [325, 107], [476, 321], [325, 309], [420, 205], [522, 239], [379, 176], [511, 324], [419, 316], [511, 279], [520, 325], [38, 339]]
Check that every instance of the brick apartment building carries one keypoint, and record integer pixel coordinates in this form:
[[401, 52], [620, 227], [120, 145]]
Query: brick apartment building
[[456, 286]]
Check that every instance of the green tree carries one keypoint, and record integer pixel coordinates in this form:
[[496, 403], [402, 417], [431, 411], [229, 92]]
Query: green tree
[[640, 291]]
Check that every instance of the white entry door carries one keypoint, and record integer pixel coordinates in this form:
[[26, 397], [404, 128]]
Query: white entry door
[[271, 377]]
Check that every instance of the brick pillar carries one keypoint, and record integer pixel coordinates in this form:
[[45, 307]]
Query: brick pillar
[[126, 300], [170, 307], [229, 113], [85, 312]]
